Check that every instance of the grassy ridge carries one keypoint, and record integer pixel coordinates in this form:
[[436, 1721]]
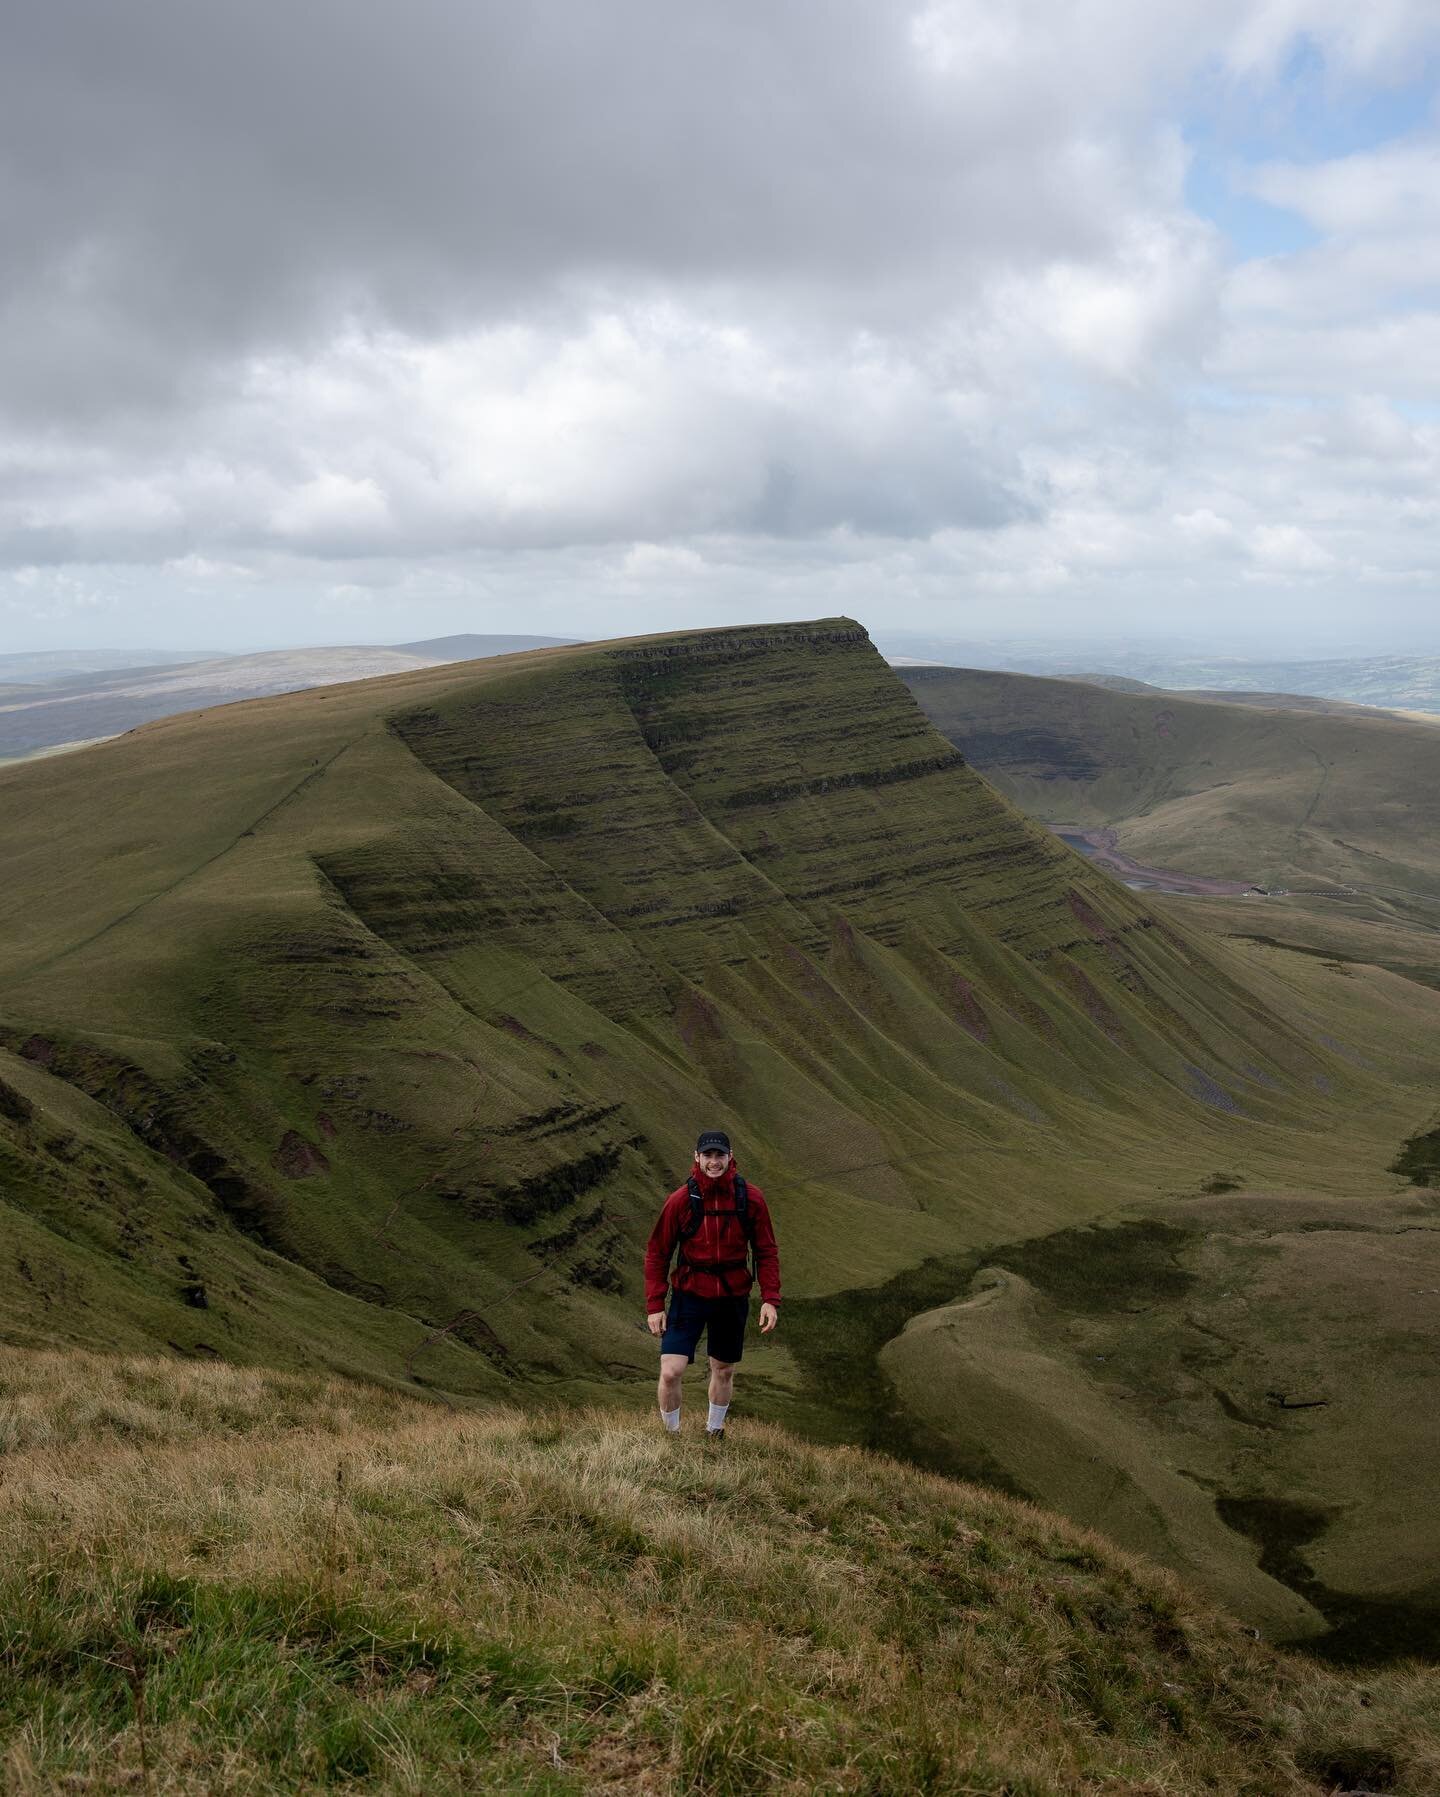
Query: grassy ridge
[[359, 1030], [218, 1579]]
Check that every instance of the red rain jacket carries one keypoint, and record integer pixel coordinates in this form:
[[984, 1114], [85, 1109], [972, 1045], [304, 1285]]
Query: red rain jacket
[[720, 1237]]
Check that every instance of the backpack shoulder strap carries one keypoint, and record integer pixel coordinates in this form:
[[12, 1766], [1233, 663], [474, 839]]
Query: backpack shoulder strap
[[697, 1209], [696, 1213], [742, 1206]]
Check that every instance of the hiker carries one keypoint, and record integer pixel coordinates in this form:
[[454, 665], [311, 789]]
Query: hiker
[[715, 1219]]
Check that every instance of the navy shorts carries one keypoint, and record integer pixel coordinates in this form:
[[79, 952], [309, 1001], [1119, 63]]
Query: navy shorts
[[690, 1317]]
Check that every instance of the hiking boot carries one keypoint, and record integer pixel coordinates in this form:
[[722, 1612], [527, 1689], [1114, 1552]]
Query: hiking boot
[[715, 1436]]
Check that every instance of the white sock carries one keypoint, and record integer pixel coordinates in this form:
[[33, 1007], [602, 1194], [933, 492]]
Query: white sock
[[717, 1416], [671, 1419]]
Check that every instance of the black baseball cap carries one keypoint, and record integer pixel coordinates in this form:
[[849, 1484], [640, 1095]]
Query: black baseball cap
[[713, 1138]]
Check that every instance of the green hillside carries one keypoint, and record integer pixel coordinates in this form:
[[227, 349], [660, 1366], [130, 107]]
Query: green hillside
[[1277, 797], [279, 1583], [1334, 817], [361, 1029]]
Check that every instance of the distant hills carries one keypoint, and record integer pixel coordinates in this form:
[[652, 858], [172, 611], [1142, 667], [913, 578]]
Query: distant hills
[[361, 1029], [1342, 804], [1392, 682], [1121, 683], [38, 667], [61, 700]]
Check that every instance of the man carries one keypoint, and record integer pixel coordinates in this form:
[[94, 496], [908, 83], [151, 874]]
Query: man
[[714, 1219]]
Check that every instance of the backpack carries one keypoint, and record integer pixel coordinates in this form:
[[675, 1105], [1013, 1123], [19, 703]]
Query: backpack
[[696, 1216]]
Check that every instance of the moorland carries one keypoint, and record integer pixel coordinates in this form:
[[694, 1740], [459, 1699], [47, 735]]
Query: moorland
[[215, 1578], [354, 1034]]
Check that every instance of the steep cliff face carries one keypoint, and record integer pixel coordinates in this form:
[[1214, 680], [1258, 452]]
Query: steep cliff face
[[704, 794], [391, 1008]]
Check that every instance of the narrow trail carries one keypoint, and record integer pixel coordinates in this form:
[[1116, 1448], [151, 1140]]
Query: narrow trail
[[1319, 792], [219, 854]]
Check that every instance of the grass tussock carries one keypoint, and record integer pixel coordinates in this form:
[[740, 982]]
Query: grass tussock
[[222, 1581], [53, 1399]]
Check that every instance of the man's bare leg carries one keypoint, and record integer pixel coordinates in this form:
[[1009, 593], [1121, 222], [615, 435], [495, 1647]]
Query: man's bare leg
[[672, 1370], [722, 1389]]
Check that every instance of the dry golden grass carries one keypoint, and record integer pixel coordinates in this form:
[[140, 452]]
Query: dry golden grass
[[215, 1580], [52, 1399]]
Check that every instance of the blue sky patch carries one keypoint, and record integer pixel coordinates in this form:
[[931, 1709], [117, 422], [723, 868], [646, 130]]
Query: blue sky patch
[[1306, 115]]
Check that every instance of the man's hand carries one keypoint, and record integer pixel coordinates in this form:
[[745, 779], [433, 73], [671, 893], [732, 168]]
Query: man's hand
[[769, 1317], [656, 1320]]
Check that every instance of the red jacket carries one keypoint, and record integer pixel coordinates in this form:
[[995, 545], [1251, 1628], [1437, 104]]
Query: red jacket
[[720, 1237]]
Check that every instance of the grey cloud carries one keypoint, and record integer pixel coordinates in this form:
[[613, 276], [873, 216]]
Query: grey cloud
[[470, 285], [667, 456], [189, 180]]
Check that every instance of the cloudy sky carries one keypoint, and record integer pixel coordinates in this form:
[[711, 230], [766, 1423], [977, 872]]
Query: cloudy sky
[[347, 321]]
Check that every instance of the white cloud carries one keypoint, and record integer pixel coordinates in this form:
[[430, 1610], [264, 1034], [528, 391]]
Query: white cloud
[[332, 507], [202, 567], [661, 561], [1380, 39], [1288, 549], [1131, 317], [1205, 529], [1377, 193], [54, 595]]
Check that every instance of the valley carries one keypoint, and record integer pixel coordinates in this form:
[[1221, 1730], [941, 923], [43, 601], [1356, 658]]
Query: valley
[[1102, 848], [1329, 815]]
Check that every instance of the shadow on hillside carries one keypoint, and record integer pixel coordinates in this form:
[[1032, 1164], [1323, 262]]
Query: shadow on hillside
[[1364, 1631], [837, 1341]]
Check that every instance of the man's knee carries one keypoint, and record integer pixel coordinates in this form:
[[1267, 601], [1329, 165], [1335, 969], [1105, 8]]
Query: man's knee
[[672, 1366], [722, 1367]]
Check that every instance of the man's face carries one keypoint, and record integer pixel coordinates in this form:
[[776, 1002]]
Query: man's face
[[713, 1161]]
